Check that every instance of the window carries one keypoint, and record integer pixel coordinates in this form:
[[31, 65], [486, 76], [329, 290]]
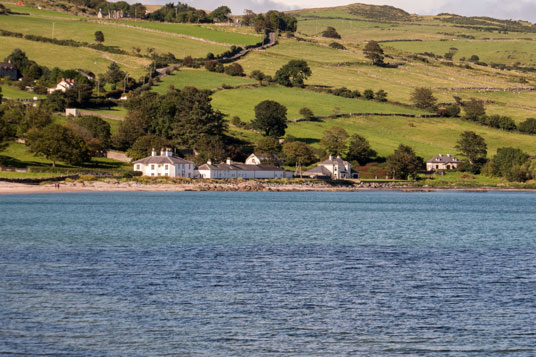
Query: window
[[152, 167], [138, 167], [152, 173], [159, 174], [166, 167]]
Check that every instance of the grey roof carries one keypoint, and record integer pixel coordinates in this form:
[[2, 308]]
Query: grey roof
[[337, 161], [6, 65], [239, 167], [443, 159], [163, 160], [318, 171]]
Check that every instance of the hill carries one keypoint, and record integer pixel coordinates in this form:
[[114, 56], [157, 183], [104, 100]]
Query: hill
[[438, 52]]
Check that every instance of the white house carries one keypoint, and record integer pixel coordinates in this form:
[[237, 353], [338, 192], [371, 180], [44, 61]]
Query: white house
[[335, 169], [72, 112], [63, 85], [442, 162], [238, 170], [165, 164], [258, 159]]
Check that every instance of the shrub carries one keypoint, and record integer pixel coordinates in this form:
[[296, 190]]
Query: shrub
[[330, 32], [337, 46], [528, 126], [234, 69], [368, 94]]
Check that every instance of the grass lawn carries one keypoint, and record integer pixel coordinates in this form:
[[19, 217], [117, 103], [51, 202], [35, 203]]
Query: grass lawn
[[40, 12], [9, 92], [212, 33], [463, 179], [17, 155], [200, 78], [31, 175], [241, 102]]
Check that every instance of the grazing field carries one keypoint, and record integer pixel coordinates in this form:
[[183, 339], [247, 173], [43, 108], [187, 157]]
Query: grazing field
[[428, 137], [200, 78], [114, 35], [210, 33], [241, 102], [66, 57], [40, 12]]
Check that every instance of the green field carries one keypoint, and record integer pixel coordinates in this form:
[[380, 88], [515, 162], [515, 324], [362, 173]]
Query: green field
[[200, 78], [241, 102], [39, 12], [9, 92], [114, 35], [428, 137], [211, 33]]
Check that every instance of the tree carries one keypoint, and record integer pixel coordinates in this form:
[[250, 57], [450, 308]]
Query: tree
[[293, 73], [307, 113], [381, 96], [269, 148], [330, 32], [96, 132], [221, 14], [507, 162], [114, 74], [368, 94], [528, 126], [374, 52], [298, 153], [270, 118], [56, 142], [359, 150], [473, 147], [99, 36], [474, 109], [423, 98], [404, 163], [258, 75], [334, 140], [234, 69], [143, 146]]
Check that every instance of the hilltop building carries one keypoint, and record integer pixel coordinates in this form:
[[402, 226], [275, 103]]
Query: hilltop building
[[442, 162], [333, 168], [165, 164], [8, 70], [231, 169], [63, 85]]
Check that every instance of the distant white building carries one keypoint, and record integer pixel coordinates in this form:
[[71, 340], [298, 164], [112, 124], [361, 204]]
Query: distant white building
[[165, 164], [63, 85], [442, 162], [100, 15], [231, 169], [72, 112], [335, 169], [258, 159]]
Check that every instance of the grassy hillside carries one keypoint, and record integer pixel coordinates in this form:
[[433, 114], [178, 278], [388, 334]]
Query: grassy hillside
[[404, 37]]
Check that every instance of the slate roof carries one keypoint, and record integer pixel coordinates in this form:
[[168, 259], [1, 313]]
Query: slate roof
[[163, 160], [318, 171], [443, 159], [239, 167], [6, 65]]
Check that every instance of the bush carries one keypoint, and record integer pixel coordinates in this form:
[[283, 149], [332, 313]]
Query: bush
[[330, 32], [307, 113], [528, 126], [452, 111], [368, 94], [236, 121], [381, 96], [234, 69], [337, 46]]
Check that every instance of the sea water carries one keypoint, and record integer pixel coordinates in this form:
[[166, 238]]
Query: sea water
[[227, 273]]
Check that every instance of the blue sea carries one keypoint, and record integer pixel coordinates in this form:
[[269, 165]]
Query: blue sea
[[301, 274]]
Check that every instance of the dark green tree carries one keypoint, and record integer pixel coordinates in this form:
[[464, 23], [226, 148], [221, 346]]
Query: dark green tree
[[258, 75], [143, 146], [293, 73], [507, 163], [96, 132], [99, 36], [334, 140], [374, 52], [56, 142], [359, 150], [307, 113], [114, 74], [423, 98], [330, 32], [298, 153], [270, 118], [528, 126], [221, 14], [234, 69], [474, 109], [403, 163], [473, 147], [381, 96], [269, 148], [368, 94]]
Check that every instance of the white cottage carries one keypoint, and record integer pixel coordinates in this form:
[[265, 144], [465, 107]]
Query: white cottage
[[165, 164], [63, 85], [335, 169], [258, 159], [442, 162], [238, 170]]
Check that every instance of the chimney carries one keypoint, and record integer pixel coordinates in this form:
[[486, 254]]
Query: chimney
[[209, 161], [448, 155], [162, 152], [330, 156], [169, 152], [228, 162], [338, 156], [153, 153]]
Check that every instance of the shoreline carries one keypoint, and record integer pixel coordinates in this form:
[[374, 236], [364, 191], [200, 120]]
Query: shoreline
[[7, 188]]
